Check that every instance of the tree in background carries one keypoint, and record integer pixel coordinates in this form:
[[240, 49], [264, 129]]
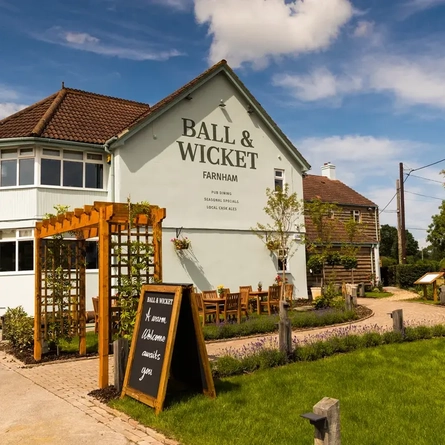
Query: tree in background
[[389, 243], [436, 233]]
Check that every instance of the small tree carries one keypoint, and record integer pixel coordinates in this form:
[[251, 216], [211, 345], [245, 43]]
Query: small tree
[[324, 222], [284, 210]]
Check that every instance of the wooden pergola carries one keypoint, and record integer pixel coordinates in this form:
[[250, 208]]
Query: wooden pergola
[[115, 225]]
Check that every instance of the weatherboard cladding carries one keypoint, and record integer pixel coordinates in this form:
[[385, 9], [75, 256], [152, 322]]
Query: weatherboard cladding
[[347, 199]]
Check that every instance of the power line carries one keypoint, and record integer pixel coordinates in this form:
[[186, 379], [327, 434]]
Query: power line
[[407, 176], [415, 228], [427, 179], [425, 196]]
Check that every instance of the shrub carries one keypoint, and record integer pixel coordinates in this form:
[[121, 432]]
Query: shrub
[[227, 365], [406, 274], [20, 328]]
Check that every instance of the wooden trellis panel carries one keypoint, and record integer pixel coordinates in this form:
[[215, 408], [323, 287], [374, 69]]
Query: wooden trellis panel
[[116, 229]]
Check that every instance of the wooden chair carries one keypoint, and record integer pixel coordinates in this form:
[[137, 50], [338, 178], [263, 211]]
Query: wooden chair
[[208, 294], [289, 293], [273, 300], [96, 314], [204, 309], [232, 306], [244, 291], [225, 292]]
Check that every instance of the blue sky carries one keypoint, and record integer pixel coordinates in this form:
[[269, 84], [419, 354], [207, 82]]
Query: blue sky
[[359, 83]]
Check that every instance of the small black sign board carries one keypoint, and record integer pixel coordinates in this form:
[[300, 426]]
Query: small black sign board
[[167, 346]]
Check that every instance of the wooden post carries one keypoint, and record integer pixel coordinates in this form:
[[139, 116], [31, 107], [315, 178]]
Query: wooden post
[[104, 295], [120, 351], [397, 320], [81, 271], [442, 294], [285, 329], [157, 216], [37, 297], [329, 433], [348, 302], [425, 292], [435, 290]]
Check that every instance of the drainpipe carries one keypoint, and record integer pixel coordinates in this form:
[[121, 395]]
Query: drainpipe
[[106, 146], [378, 277]]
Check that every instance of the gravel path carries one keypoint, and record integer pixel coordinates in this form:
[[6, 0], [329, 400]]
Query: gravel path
[[413, 313]]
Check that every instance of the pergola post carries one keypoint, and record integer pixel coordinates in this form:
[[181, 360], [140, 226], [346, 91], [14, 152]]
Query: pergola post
[[104, 293], [37, 293], [157, 216]]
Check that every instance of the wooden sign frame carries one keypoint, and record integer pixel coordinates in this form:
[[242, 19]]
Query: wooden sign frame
[[179, 302]]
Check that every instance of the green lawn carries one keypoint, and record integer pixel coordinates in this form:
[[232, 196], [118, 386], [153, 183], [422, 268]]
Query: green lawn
[[378, 294], [422, 300], [73, 345], [385, 396]]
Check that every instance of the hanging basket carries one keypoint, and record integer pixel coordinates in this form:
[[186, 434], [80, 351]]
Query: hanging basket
[[181, 243]]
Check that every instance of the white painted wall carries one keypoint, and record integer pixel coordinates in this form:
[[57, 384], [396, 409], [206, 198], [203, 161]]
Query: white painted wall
[[149, 167], [18, 290]]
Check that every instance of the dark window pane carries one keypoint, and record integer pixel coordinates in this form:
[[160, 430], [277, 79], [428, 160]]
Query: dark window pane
[[26, 255], [91, 255], [26, 171], [278, 184], [50, 172], [282, 265], [7, 256], [9, 173], [72, 174], [94, 175]]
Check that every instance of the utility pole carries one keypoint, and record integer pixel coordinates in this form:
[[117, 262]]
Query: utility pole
[[399, 226], [402, 213]]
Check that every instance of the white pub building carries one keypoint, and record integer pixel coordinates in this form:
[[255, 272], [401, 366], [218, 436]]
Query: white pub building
[[206, 153]]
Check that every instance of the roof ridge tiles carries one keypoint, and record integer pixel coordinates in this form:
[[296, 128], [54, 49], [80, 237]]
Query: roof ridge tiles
[[49, 113], [27, 109]]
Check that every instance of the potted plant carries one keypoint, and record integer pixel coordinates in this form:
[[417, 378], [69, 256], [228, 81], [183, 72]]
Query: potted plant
[[181, 243], [273, 245], [220, 290], [260, 286]]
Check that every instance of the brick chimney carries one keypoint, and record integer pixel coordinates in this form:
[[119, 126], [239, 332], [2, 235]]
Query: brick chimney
[[328, 170]]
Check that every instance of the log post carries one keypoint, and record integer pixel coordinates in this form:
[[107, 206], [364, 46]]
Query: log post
[[120, 352], [285, 329], [329, 432], [397, 321]]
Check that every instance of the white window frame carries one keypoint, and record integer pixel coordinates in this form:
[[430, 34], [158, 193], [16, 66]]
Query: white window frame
[[18, 236], [19, 155], [286, 262], [85, 160], [356, 215], [279, 176]]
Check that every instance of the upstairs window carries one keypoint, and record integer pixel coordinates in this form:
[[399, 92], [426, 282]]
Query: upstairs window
[[279, 179], [356, 215], [71, 168], [16, 167]]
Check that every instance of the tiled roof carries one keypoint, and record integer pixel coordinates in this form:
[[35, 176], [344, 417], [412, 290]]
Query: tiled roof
[[332, 190], [73, 115]]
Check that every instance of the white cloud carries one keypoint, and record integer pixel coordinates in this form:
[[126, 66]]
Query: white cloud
[[8, 108], [317, 85], [410, 80], [256, 30], [413, 81], [80, 38], [122, 48], [180, 5], [414, 6], [363, 29]]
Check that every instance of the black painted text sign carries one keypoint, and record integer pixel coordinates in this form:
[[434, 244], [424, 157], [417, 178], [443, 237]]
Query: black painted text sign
[[151, 339]]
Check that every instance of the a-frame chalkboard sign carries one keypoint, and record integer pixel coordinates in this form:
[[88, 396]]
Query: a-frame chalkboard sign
[[168, 346]]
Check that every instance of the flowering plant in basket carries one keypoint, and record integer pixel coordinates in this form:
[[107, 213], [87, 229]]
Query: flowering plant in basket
[[180, 243]]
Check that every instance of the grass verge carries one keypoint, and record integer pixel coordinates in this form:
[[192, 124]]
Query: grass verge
[[385, 396], [378, 294]]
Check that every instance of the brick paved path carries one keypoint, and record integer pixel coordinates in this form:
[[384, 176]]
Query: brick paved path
[[72, 381]]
